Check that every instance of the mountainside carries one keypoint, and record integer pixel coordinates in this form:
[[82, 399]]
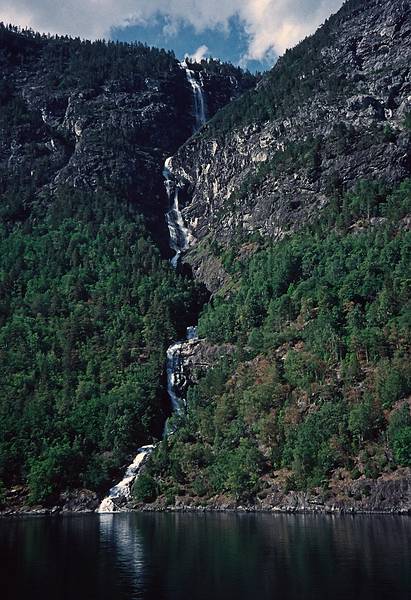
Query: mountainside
[[334, 110], [97, 116], [290, 208], [297, 202], [88, 303]]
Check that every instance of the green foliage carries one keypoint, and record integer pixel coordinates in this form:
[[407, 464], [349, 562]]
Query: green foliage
[[321, 324], [145, 488], [301, 369], [399, 435], [314, 451], [238, 471], [364, 419], [393, 380], [84, 64], [55, 469]]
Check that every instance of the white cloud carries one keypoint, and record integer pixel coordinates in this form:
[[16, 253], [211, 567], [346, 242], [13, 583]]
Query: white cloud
[[272, 25], [198, 55]]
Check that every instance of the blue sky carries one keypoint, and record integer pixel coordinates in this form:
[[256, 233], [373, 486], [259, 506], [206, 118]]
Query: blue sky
[[247, 32], [228, 43]]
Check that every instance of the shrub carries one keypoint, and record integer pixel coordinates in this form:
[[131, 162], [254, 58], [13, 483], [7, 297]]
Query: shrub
[[399, 436], [145, 488]]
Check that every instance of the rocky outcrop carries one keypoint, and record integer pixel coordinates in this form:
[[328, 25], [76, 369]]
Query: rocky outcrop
[[78, 501], [389, 493], [193, 358], [16, 502], [338, 108]]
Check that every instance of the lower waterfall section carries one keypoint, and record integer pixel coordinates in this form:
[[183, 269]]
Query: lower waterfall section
[[176, 379], [119, 494]]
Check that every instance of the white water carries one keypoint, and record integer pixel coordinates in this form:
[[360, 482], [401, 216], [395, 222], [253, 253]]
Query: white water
[[175, 372], [121, 492], [180, 238], [198, 96], [179, 234]]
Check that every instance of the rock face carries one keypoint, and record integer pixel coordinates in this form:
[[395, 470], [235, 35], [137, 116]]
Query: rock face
[[192, 359], [16, 502], [389, 493], [337, 113], [111, 133]]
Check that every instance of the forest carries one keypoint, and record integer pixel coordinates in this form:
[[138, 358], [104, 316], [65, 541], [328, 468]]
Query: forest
[[87, 309], [321, 373]]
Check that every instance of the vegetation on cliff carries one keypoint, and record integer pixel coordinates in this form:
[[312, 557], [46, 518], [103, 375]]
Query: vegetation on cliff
[[321, 375]]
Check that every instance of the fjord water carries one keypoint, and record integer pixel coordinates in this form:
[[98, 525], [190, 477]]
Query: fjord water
[[205, 556]]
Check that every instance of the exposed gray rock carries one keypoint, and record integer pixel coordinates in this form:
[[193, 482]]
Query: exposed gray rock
[[390, 493], [79, 501], [245, 181], [110, 137]]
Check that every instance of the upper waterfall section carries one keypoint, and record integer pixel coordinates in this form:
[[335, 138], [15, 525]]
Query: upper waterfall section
[[199, 102]]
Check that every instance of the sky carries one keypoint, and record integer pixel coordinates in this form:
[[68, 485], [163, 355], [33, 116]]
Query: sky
[[252, 33]]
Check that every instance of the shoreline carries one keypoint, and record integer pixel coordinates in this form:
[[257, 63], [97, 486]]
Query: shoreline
[[334, 511]]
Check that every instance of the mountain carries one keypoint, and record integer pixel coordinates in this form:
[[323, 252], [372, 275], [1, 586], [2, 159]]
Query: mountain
[[296, 198], [98, 116], [289, 222], [88, 301]]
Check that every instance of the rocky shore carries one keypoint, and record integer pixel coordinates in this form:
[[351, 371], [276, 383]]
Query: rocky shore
[[388, 494], [16, 503]]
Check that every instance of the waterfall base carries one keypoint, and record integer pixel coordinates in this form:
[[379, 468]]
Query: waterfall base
[[121, 492]]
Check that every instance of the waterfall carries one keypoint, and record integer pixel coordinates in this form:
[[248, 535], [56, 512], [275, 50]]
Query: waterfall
[[121, 492], [179, 234], [198, 96], [179, 240], [175, 373]]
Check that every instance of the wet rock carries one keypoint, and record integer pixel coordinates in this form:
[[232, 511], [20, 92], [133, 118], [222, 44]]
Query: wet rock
[[79, 501]]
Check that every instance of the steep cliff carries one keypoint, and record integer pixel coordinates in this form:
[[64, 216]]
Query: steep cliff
[[98, 116], [333, 110]]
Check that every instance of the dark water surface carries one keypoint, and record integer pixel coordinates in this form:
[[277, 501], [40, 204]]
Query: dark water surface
[[213, 557]]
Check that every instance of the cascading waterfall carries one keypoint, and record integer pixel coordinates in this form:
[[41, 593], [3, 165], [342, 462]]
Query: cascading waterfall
[[175, 373], [198, 96], [179, 241], [121, 492], [179, 234], [180, 238]]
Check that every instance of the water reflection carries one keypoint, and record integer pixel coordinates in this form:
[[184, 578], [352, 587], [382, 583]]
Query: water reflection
[[183, 556], [120, 539]]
